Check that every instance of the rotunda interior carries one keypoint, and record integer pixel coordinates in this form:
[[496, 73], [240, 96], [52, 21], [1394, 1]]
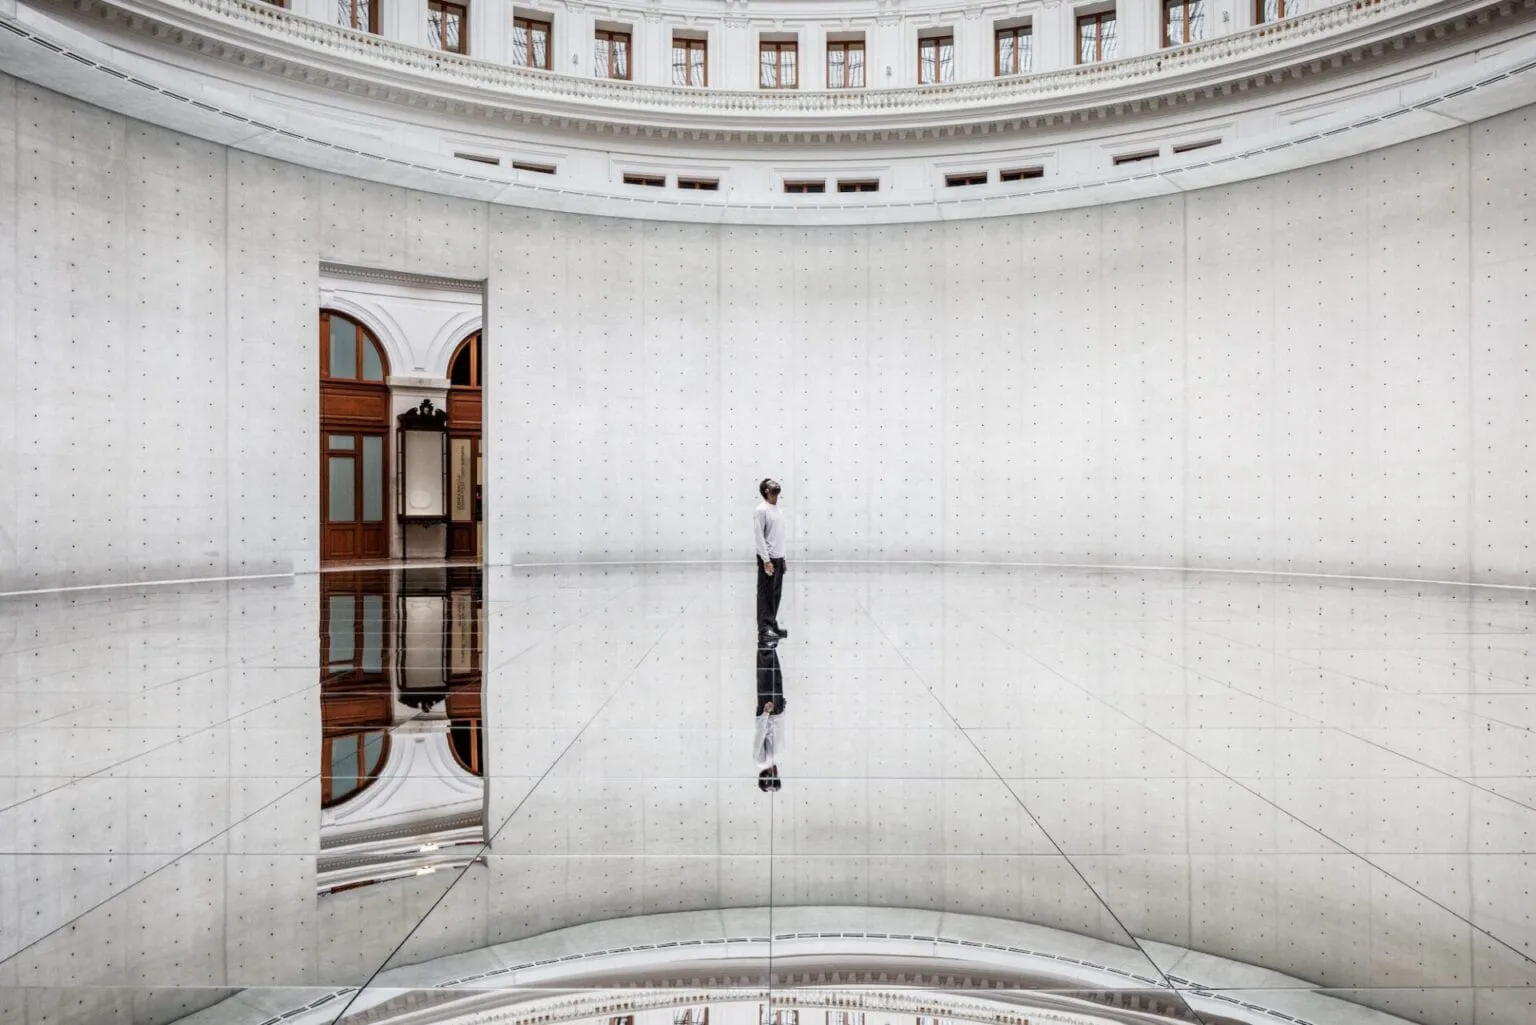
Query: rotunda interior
[[1093, 438]]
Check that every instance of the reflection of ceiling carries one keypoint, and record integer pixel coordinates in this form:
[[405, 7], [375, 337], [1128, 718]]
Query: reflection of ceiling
[[423, 812], [891, 964]]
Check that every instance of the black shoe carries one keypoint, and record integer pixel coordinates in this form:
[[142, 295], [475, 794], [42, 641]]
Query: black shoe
[[783, 633]]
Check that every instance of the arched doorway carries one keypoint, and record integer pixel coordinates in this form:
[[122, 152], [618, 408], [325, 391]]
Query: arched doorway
[[354, 441], [466, 523]]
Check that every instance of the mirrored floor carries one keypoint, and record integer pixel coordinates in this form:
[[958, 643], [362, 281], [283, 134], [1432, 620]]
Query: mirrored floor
[[1004, 796]]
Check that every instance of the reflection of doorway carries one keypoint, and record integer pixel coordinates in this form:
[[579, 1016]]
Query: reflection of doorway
[[354, 450], [465, 463]]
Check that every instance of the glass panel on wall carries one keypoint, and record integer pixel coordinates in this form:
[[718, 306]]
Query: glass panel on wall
[[373, 633], [373, 366], [343, 348], [341, 633], [373, 478], [344, 766], [343, 497], [342, 442]]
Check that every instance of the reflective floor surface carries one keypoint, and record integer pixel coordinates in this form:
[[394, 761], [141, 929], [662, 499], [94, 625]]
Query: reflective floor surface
[[1005, 796]]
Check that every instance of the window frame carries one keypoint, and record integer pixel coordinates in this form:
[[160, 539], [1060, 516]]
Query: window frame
[[688, 44], [845, 47], [1168, 6], [612, 36], [779, 47], [1098, 19], [373, 17], [1281, 12], [1016, 31], [463, 14], [939, 39], [529, 23]]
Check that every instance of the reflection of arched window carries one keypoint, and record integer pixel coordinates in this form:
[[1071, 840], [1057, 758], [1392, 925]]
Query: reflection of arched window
[[466, 370], [349, 763], [464, 737], [348, 350]]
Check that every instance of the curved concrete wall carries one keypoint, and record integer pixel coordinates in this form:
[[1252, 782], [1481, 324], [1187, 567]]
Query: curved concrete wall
[[1323, 371]]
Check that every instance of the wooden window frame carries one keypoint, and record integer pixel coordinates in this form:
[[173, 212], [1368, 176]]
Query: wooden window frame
[[652, 181], [858, 185], [779, 48], [965, 179], [1281, 12], [364, 337], [699, 184], [1097, 18], [529, 24], [689, 44], [373, 17], [1168, 6], [938, 41], [1019, 174], [1017, 32], [805, 187], [612, 36], [443, 7], [845, 47]]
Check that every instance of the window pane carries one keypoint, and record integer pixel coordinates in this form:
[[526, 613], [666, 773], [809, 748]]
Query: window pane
[[696, 65], [1174, 16], [679, 65], [343, 502], [836, 68], [343, 348], [927, 64], [600, 58], [856, 67], [343, 766], [343, 622], [1005, 55], [540, 46], [373, 478], [1196, 20], [519, 44], [767, 69], [1087, 34], [947, 60], [789, 68], [1107, 45], [373, 750], [1024, 52], [373, 367], [620, 58], [453, 26], [342, 442], [373, 634]]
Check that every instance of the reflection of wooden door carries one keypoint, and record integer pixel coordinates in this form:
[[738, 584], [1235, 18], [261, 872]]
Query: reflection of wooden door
[[353, 491]]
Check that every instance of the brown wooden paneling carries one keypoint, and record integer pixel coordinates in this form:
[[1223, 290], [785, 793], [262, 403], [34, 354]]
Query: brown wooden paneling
[[359, 405], [346, 712], [464, 407], [464, 701]]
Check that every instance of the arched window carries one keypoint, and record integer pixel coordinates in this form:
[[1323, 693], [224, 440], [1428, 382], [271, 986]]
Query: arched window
[[348, 350], [349, 763], [466, 370]]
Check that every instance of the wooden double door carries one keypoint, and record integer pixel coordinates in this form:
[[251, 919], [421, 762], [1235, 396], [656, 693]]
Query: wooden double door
[[354, 489]]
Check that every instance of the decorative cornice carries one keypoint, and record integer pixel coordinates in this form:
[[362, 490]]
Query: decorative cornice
[[390, 277], [257, 35]]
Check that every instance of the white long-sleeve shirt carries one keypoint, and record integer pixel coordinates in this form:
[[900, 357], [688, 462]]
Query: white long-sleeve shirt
[[769, 531], [768, 743]]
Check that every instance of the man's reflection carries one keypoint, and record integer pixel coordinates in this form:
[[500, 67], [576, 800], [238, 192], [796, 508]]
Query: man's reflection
[[767, 740]]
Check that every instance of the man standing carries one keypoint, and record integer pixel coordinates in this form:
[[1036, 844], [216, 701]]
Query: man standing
[[769, 531]]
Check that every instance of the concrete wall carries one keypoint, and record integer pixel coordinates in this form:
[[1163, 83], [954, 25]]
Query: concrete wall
[[1322, 371], [1325, 371]]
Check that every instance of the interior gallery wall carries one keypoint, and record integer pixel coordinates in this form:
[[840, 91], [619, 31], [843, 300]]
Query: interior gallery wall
[[1324, 371]]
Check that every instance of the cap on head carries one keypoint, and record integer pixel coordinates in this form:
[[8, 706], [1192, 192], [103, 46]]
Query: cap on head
[[769, 486]]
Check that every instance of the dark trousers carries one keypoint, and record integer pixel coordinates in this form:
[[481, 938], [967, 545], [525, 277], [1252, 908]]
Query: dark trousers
[[770, 682], [769, 590]]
